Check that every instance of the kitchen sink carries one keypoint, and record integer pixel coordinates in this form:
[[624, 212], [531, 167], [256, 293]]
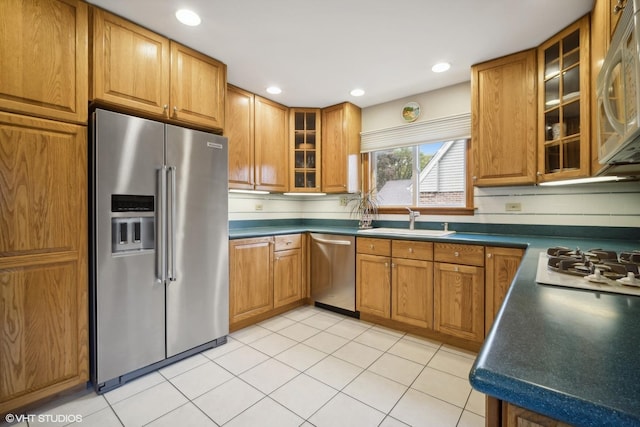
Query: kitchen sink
[[406, 232]]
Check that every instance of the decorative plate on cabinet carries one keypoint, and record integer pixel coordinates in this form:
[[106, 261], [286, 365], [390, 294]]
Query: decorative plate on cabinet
[[410, 111]]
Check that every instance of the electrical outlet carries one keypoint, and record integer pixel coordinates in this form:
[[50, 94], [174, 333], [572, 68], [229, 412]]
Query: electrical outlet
[[513, 207], [258, 206], [343, 200]]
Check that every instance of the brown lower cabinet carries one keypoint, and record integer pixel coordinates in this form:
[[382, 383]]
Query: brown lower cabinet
[[447, 291], [43, 259], [505, 414], [265, 277]]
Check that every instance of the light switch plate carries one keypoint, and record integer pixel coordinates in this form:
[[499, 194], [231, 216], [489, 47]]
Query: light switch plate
[[513, 207]]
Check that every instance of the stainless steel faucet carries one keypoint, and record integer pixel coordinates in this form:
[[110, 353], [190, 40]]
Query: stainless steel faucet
[[412, 218]]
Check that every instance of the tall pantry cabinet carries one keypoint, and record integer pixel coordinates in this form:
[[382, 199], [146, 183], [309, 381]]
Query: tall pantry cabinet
[[43, 200]]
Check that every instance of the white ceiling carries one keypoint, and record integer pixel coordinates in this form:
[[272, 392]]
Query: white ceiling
[[317, 51]]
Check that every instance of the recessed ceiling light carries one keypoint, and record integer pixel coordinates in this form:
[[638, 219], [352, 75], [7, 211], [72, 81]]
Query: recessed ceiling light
[[440, 67], [274, 90], [357, 92], [188, 17]]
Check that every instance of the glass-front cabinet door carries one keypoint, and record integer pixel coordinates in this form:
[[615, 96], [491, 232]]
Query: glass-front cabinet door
[[563, 61], [305, 145]]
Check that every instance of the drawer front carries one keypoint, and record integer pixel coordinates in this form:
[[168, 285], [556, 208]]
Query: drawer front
[[371, 246], [288, 241], [412, 250], [459, 254]]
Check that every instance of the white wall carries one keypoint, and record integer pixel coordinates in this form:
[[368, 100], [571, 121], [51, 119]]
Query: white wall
[[612, 204]]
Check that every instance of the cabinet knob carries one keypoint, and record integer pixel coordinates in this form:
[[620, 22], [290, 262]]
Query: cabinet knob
[[456, 269], [456, 253], [165, 107], [175, 110], [410, 250], [393, 265], [475, 178], [370, 246], [386, 264], [489, 255], [277, 258], [288, 242]]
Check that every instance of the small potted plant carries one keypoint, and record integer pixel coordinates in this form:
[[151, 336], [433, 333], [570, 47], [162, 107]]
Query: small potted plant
[[364, 207]]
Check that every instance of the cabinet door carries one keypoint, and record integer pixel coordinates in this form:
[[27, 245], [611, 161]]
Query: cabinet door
[[373, 287], [564, 104], [306, 152], [271, 146], [341, 125], [198, 86], [501, 265], [504, 120], [412, 292], [130, 64], [239, 129], [250, 277], [519, 417], [43, 259], [459, 301], [287, 277], [44, 65]]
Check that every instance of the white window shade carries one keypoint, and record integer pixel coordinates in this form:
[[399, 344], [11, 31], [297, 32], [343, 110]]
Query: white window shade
[[435, 130]]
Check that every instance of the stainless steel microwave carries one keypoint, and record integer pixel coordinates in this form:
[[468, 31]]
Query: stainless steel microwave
[[618, 98]]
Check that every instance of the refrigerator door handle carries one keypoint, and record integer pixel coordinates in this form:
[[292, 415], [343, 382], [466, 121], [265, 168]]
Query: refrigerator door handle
[[171, 212], [161, 226]]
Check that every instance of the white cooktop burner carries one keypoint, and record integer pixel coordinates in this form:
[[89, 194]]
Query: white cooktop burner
[[547, 277]]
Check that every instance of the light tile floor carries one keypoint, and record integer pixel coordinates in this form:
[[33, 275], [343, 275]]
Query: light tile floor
[[307, 367]]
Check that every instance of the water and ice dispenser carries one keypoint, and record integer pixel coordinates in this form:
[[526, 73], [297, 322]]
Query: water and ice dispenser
[[134, 231]]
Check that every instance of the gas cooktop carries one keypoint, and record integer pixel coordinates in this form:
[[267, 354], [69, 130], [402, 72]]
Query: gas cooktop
[[594, 269]]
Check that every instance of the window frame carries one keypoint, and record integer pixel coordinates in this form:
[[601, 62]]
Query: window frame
[[468, 210]]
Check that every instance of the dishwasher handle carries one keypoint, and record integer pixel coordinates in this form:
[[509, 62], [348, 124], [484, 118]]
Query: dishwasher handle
[[332, 242]]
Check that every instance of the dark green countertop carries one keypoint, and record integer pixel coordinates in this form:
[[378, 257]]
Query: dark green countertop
[[569, 354]]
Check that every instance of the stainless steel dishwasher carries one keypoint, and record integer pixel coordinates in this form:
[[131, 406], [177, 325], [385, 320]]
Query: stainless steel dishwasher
[[333, 272]]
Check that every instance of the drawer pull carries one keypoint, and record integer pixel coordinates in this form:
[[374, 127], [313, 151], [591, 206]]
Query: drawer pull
[[288, 242], [456, 269], [370, 246], [410, 250], [456, 253]]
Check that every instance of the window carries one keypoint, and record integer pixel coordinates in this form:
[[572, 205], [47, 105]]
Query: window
[[427, 175], [422, 165]]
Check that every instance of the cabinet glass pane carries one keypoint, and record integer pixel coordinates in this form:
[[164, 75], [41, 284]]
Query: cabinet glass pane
[[552, 53], [571, 113], [570, 47], [299, 179], [299, 138], [311, 121], [571, 84], [571, 155], [552, 92], [299, 159], [552, 158], [552, 125], [311, 160], [311, 138], [311, 179], [299, 121]]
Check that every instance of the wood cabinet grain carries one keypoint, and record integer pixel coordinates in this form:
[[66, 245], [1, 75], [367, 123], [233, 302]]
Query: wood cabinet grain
[[504, 120], [239, 129], [501, 266], [341, 126], [43, 58], [43, 259], [271, 146]]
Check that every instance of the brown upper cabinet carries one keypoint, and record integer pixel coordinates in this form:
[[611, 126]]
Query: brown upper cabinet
[[564, 104], [48, 67], [257, 129], [304, 127], [503, 117], [138, 69], [341, 126]]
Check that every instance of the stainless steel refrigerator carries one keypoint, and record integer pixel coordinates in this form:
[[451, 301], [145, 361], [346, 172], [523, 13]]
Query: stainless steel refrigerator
[[159, 261]]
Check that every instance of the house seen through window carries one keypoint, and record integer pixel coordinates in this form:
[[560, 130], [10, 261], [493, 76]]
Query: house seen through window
[[429, 175]]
